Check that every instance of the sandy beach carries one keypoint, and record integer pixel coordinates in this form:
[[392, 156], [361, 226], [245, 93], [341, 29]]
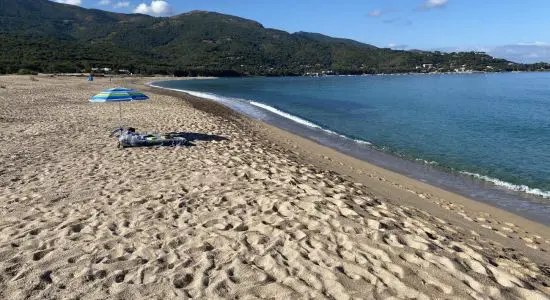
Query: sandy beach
[[247, 211]]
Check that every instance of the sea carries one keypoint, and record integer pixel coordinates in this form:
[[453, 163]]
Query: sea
[[483, 135]]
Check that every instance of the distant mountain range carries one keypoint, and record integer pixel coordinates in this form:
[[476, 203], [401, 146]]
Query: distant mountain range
[[44, 36]]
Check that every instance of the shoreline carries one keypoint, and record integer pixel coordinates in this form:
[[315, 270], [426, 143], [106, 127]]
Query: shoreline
[[450, 205], [517, 199], [246, 210]]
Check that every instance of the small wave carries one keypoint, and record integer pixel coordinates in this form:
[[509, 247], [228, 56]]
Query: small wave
[[431, 162], [305, 122], [362, 142], [193, 93], [286, 115], [510, 186]]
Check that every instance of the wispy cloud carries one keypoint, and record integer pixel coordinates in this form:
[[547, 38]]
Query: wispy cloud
[[116, 5], [375, 13], [398, 46], [156, 8], [122, 4], [534, 44], [398, 21], [71, 2], [429, 4], [380, 12], [531, 52], [398, 17], [523, 52]]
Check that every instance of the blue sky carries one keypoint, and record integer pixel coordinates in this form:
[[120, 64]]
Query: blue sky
[[515, 29]]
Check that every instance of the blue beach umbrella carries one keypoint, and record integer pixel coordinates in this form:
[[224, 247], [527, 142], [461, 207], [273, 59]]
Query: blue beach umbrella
[[119, 95]]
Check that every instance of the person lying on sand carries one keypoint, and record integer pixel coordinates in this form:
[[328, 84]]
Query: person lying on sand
[[130, 138]]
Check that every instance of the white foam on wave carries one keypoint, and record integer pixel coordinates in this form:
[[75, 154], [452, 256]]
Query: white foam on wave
[[362, 142], [510, 186], [304, 122], [285, 115], [426, 162], [193, 93]]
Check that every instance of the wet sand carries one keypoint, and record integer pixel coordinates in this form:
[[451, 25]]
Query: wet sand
[[248, 211]]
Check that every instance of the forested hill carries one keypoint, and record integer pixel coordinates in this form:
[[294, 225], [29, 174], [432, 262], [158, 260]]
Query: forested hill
[[45, 36]]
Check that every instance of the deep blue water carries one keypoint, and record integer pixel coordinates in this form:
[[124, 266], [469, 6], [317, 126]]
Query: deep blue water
[[493, 125]]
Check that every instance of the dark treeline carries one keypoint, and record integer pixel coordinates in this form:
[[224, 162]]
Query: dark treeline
[[44, 36]]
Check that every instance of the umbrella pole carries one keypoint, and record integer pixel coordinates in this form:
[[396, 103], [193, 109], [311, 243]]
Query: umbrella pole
[[120, 113]]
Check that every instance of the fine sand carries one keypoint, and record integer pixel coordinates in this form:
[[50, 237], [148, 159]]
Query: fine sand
[[248, 211]]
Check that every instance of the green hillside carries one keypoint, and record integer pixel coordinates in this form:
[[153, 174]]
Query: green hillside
[[44, 36]]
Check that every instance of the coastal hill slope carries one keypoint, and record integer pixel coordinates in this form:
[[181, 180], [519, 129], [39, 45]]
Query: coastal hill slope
[[45, 36]]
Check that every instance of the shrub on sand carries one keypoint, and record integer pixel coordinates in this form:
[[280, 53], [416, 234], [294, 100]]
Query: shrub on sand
[[24, 72]]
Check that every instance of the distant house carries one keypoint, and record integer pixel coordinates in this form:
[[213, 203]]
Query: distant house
[[427, 66], [101, 69]]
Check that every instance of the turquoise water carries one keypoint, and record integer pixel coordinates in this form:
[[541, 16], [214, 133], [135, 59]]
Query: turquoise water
[[495, 127]]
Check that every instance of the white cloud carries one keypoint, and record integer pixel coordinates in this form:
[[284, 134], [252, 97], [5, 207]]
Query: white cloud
[[142, 9], [434, 4], [375, 13], [71, 2], [121, 4], [104, 2], [156, 8]]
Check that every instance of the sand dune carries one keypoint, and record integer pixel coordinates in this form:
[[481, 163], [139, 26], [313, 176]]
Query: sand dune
[[234, 218]]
